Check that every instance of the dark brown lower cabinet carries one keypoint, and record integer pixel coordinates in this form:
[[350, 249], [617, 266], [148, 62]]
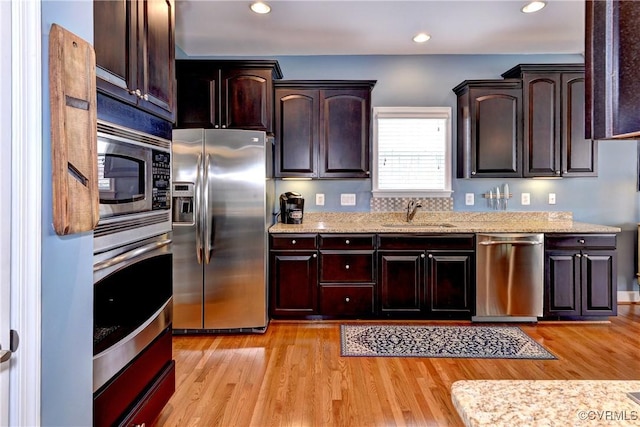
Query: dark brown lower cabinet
[[580, 276], [426, 276], [293, 276], [137, 395]]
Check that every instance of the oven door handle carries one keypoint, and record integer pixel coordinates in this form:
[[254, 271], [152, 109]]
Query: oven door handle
[[128, 256]]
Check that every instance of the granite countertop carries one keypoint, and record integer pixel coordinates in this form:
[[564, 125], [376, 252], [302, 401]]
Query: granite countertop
[[511, 403], [441, 222]]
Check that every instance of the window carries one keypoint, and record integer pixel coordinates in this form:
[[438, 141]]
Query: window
[[412, 151]]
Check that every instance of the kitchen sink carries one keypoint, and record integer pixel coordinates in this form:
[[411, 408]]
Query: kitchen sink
[[418, 225]]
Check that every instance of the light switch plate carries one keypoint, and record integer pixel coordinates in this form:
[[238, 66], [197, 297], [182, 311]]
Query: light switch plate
[[319, 199], [469, 199], [525, 199], [552, 198], [347, 199]]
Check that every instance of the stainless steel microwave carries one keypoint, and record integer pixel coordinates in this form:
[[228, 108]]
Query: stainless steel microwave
[[134, 185]]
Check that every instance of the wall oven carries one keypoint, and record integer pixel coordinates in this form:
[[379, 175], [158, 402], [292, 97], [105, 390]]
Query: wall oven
[[134, 176], [132, 325]]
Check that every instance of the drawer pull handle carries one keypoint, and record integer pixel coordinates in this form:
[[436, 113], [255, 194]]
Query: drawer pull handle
[[293, 242], [347, 299], [346, 266], [347, 241]]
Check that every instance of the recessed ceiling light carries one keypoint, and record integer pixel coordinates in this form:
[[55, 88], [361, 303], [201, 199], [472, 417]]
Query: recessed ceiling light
[[534, 6], [260, 7], [421, 38]]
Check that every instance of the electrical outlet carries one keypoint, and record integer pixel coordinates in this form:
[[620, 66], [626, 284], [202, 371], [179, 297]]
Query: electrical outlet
[[469, 199], [552, 198], [347, 199], [319, 199], [525, 199]]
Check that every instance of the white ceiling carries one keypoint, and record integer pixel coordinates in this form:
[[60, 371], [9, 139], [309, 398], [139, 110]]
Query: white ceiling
[[343, 27]]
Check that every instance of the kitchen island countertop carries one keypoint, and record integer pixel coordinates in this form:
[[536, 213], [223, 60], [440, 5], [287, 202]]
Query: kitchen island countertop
[[441, 222], [508, 403]]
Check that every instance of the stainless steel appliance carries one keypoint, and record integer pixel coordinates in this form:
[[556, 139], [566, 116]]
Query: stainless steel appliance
[[223, 207], [510, 277], [291, 208], [134, 176]]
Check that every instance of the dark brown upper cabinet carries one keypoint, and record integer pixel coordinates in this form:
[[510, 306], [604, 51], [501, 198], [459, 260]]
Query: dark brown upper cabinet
[[323, 129], [226, 94], [553, 111], [135, 51], [612, 59], [489, 128]]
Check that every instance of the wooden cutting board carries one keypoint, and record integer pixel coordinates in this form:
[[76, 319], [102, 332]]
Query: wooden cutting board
[[72, 87]]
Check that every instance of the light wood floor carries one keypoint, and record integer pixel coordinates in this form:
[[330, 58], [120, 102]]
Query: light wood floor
[[293, 375]]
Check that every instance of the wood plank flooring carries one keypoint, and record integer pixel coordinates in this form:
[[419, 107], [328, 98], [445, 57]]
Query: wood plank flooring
[[293, 375]]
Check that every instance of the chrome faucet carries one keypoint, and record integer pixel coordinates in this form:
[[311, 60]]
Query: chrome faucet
[[412, 207]]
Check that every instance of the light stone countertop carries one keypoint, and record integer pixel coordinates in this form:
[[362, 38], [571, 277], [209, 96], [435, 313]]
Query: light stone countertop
[[512, 403], [441, 222]]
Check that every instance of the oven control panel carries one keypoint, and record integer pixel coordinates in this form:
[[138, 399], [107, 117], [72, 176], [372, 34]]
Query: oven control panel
[[161, 180]]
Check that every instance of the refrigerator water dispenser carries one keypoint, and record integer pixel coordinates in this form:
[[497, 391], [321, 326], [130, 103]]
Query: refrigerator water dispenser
[[183, 203]]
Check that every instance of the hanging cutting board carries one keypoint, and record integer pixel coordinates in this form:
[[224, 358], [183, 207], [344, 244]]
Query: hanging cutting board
[[72, 86]]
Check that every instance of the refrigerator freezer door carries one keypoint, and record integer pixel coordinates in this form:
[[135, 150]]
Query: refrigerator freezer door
[[235, 238], [187, 271]]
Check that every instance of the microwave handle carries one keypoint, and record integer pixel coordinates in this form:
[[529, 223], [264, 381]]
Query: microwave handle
[[208, 234], [198, 209]]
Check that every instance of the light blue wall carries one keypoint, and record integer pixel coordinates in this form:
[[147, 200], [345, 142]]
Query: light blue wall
[[67, 275], [427, 80]]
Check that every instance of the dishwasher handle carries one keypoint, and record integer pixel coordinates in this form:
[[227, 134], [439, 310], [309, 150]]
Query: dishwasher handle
[[510, 242]]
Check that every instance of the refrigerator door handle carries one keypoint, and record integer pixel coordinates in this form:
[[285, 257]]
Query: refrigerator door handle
[[208, 234], [198, 209]]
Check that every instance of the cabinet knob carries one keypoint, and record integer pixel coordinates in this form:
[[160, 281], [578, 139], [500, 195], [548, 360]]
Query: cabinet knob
[[315, 255], [430, 256], [421, 255], [578, 256], [347, 299], [585, 255], [146, 96], [473, 172], [224, 126], [138, 93], [293, 242], [347, 241], [216, 126], [557, 172], [346, 266], [581, 241]]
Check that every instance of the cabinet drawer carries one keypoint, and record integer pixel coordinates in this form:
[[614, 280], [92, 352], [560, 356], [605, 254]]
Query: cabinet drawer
[[426, 242], [556, 241], [351, 266], [346, 300], [347, 241], [293, 241]]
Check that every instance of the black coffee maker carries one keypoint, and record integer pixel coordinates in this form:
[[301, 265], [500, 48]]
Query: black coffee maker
[[291, 208]]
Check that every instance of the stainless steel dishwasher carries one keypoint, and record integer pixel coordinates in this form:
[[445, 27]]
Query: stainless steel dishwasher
[[509, 278]]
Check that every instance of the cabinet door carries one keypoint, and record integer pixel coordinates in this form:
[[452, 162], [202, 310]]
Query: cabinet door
[[246, 99], [599, 283], [579, 154], [449, 284], [562, 283], [297, 117], [294, 280], [115, 45], [612, 62], [401, 281], [156, 72], [542, 124], [495, 134], [344, 135], [197, 97]]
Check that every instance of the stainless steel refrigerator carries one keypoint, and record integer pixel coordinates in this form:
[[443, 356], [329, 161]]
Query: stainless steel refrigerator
[[222, 207]]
